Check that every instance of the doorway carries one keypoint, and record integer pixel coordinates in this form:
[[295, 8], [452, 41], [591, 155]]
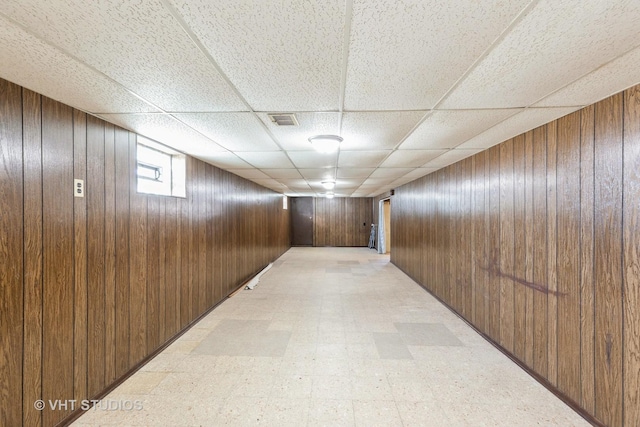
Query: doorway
[[384, 226]]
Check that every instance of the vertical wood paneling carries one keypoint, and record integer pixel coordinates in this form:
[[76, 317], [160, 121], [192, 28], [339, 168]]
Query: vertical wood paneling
[[153, 273], [519, 260], [11, 251], [529, 248], [80, 258], [95, 255], [506, 269], [93, 285], [138, 263], [58, 278], [552, 218], [110, 252], [122, 210], [631, 267], [339, 221], [554, 215], [479, 240], [493, 263], [608, 255], [540, 334], [587, 313], [32, 158], [568, 220]]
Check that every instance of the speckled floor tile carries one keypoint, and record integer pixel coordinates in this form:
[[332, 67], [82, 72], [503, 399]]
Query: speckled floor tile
[[332, 337]]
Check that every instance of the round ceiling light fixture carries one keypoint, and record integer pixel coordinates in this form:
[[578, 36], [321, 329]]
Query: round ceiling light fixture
[[329, 185], [326, 143], [329, 195]]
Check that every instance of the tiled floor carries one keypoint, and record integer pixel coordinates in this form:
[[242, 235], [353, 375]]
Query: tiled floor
[[331, 337]]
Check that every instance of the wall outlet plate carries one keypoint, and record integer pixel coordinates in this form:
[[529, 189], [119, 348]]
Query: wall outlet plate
[[78, 188]]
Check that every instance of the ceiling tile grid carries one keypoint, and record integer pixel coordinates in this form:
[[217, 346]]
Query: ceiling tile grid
[[411, 85], [281, 55], [139, 44]]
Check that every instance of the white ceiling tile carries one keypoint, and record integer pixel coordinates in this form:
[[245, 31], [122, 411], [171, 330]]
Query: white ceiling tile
[[167, 130], [266, 159], [390, 172], [123, 40], [515, 125], [280, 55], [249, 173], [554, 44], [361, 159], [612, 78], [282, 173], [309, 124], [319, 174], [419, 173], [407, 54], [271, 183], [233, 131], [377, 130], [444, 129], [354, 172], [225, 160], [25, 57], [313, 159], [450, 157], [410, 158], [378, 181], [345, 184]]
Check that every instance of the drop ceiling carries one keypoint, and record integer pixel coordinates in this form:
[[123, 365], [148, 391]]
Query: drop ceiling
[[411, 85]]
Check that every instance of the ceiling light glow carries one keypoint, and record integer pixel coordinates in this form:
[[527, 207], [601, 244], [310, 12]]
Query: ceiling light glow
[[326, 143]]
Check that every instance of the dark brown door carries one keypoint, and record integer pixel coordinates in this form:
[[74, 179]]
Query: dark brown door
[[302, 221]]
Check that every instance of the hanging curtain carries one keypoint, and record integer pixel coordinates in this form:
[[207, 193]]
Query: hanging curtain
[[382, 245]]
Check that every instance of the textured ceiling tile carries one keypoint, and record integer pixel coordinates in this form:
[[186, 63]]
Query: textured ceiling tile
[[313, 159], [390, 172], [612, 78], [377, 130], [361, 159], [271, 183], [167, 130], [450, 157], [233, 131], [419, 173], [515, 125], [406, 54], [280, 55], [354, 172], [139, 44], [282, 173], [446, 129], [249, 173], [266, 159], [24, 58], [410, 158], [309, 124], [319, 174], [556, 43], [225, 160], [377, 181]]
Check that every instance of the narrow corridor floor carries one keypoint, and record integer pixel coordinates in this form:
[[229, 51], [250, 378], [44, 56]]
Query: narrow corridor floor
[[331, 337]]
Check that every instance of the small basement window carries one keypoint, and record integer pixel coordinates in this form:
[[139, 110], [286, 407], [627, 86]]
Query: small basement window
[[160, 170]]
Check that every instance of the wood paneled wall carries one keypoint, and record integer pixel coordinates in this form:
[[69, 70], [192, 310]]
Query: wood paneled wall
[[342, 221], [91, 286], [536, 242]]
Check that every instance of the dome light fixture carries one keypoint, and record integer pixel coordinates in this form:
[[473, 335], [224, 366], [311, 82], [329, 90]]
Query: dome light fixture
[[326, 143], [329, 195], [329, 185]]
